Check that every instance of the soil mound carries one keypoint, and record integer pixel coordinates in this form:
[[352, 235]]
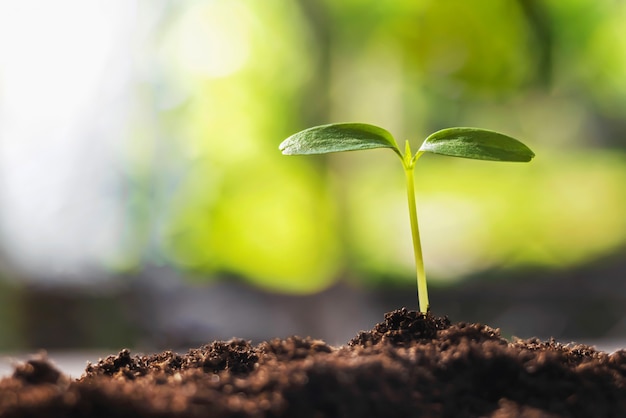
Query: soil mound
[[410, 365]]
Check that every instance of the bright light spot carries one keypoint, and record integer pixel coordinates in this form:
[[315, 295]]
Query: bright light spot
[[213, 39]]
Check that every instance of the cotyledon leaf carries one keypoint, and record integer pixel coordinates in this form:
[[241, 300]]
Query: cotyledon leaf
[[479, 144], [338, 137]]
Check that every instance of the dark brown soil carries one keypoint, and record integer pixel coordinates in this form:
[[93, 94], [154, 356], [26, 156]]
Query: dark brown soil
[[410, 365]]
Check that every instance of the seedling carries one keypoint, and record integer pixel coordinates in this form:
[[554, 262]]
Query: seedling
[[478, 144]]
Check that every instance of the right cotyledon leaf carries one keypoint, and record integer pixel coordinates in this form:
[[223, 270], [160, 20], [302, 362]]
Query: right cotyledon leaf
[[478, 144]]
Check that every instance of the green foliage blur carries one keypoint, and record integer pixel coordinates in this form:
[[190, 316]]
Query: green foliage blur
[[227, 80]]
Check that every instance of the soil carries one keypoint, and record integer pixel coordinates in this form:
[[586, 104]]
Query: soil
[[410, 365]]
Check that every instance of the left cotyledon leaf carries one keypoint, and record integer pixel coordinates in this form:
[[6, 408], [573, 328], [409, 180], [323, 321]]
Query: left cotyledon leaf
[[338, 137]]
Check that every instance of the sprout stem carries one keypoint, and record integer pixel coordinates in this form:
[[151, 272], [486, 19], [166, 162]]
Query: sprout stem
[[422, 290]]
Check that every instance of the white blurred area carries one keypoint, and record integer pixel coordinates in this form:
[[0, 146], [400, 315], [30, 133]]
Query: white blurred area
[[65, 76]]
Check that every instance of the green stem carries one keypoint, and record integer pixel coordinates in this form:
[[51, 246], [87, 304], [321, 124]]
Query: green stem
[[422, 290]]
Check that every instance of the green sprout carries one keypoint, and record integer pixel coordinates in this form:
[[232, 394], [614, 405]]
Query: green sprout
[[474, 143]]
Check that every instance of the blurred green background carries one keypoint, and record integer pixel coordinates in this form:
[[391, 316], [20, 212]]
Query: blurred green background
[[247, 74], [209, 88]]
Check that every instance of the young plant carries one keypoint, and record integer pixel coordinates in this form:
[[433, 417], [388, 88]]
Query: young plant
[[479, 144]]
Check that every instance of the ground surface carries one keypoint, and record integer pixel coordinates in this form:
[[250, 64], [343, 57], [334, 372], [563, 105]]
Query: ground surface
[[410, 365]]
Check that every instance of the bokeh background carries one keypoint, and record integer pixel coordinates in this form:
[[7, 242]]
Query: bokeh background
[[144, 202]]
